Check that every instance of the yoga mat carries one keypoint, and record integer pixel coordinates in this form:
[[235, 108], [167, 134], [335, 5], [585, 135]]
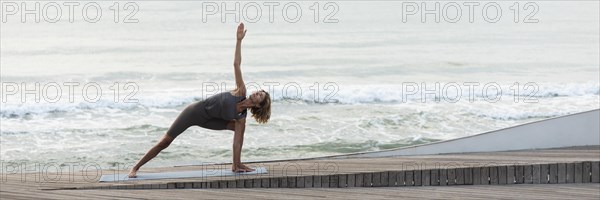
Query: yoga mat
[[180, 174]]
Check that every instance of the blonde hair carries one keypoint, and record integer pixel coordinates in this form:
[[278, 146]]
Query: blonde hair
[[262, 113]]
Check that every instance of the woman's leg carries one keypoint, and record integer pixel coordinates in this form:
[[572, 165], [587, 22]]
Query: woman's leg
[[185, 119], [162, 144]]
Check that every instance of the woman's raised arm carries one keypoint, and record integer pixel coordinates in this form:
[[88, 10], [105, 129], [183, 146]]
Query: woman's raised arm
[[237, 61]]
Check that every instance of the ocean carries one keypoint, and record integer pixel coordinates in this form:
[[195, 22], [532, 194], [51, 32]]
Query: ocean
[[358, 76]]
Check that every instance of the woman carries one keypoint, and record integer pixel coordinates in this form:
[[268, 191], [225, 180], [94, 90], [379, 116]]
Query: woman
[[223, 111]]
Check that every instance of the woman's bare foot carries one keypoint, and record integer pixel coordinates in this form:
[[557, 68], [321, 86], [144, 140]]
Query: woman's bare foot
[[132, 173], [248, 169], [241, 168], [236, 169]]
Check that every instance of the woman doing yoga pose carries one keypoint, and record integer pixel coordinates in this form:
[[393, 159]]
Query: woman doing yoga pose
[[223, 111]]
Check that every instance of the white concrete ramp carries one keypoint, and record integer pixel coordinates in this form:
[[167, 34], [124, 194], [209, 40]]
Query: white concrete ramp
[[578, 129]]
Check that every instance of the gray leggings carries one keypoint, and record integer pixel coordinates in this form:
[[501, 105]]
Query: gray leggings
[[195, 114]]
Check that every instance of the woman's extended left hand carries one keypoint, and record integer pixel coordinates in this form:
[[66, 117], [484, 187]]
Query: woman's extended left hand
[[241, 32]]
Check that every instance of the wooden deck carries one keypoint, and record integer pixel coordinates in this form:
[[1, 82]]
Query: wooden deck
[[549, 173], [529, 191]]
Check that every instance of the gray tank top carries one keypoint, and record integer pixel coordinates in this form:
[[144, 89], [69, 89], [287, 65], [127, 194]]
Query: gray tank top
[[223, 106]]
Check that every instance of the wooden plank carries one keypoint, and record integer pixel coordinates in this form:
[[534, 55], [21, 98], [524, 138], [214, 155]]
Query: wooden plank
[[459, 175], [392, 176], [476, 176], [308, 181], [510, 174], [333, 180], [417, 176], [519, 175], [342, 180], [468, 174], [408, 178], [384, 179], [265, 183], [351, 180], [358, 180], [195, 185], [578, 172], [484, 176], [562, 173], [493, 175], [221, 184], [570, 172], [587, 172], [231, 184], [426, 177], [248, 183], [147, 186], [535, 173], [317, 181], [435, 176], [274, 182], [291, 182], [553, 178], [214, 184], [283, 182], [256, 183], [367, 180], [451, 176], [596, 172], [325, 181], [502, 175], [528, 174], [239, 183], [443, 176], [376, 179], [544, 173], [400, 176]]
